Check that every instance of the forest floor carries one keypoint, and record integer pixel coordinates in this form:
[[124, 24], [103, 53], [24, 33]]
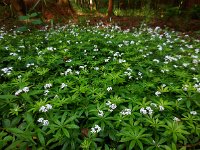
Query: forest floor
[[185, 26]]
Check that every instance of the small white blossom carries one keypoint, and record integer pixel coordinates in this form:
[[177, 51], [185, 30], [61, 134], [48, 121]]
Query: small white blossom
[[40, 120], [46, 92], [153, 104], [161, 108], [96, 129], [109, 89], [176, 119], [48, 106], [63, 85], [25, 89], [113, 106], [45, 122], [43, 109], [179, 99], [100, 113], [193, 113], [18, 92], [143, 111], [96, 68], [157, 93], [47, 85], [7, 70], [126, 112], [108, 103]]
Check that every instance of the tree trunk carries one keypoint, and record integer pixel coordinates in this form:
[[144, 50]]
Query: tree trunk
[[19, 7], [110, 7], [66, 3]]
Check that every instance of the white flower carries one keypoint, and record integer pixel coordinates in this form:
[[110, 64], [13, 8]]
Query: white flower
[[47, 85], [153, 104], [96, 68], [43, 109], [63, 85], [109, 88], [18, 92], [106, 60], [7, 70], [25, 89], [121, 61], [113, 106], [108, 103], [96, 129], [179, 99], [156, 60], [100, 113], [143, 111], [77, 72], [126, 112], [46, 92], [50, 48], [149, 110], [48, 106], [161, 108], [176, 119], [40, 120], [157, 93], [68, 60], [45, 122], [193, 113]]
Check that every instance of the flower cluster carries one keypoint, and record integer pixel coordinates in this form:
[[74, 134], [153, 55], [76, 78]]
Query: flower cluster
[[43, 121], [109, 88], [144, 111], [157, 93], [139, 76], [193, 113], [25, 89], [45, 108], [29, 65], [63, 85], [96, 129], [176, 119], [7, 70], [126, 112], [111, 106], [46, 86], [128, 73], [197, 87], [100, 113]]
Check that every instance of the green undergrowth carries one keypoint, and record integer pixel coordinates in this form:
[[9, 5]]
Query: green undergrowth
[[99, 88]]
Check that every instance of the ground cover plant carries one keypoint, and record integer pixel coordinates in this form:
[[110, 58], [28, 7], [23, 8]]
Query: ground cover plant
[[99, 88]]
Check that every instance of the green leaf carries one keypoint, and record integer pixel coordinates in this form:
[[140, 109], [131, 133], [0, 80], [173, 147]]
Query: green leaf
[[175, 137], [6, 123], [22, 18], [41, 138], [15, 121], [183, 148], [65, 132], [140, 144], [173, 146], [29, 118], [72, 126], [14, 130], [22, 29], [7, 97], [34, 14], [132, 144], [37, 22]]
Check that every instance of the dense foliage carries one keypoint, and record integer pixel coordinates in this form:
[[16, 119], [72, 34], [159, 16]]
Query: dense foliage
[[99, 88]]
